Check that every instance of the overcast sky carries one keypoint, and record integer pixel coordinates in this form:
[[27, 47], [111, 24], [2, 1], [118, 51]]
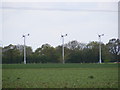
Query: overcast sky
[[46, 21]]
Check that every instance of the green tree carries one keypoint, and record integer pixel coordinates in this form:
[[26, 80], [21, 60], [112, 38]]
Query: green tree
[[14, 53], [11, 54], [75, 45], [47, 53], [114, 48]]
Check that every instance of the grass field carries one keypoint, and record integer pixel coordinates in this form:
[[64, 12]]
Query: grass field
[[60, 76]]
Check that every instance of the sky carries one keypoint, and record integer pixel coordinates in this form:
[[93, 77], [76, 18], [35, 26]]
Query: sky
[[47, 21]]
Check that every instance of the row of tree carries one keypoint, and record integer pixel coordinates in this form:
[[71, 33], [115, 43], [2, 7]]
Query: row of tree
[[75, 52]]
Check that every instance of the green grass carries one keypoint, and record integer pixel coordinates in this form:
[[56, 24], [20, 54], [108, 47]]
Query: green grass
[[60, 76], [50, 65]]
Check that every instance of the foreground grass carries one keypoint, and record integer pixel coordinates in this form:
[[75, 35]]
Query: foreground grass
[[60, 76]]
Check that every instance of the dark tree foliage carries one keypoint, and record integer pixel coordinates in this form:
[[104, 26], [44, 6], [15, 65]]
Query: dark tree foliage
[[114, 48], [11, 55], [75, 52]]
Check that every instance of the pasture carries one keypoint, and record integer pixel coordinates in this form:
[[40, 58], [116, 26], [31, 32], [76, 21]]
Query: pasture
[[60, 76]]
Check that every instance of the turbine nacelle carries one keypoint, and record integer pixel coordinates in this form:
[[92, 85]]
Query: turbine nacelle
[[26, 35], [63, 35]]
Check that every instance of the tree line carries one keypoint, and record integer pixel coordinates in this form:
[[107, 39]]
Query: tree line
[[75, 52]]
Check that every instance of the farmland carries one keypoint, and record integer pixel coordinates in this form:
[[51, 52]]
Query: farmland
[[60, 76]]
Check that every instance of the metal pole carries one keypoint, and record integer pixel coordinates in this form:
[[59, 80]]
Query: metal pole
[[63, 50], [100, 56], [24, 51], [100, 49], [24, 36]]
